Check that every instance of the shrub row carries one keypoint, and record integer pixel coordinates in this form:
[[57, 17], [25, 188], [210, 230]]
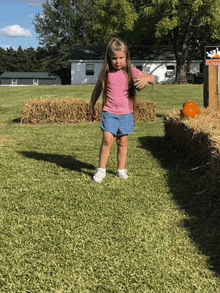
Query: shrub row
[[72, 110], [199, 139]]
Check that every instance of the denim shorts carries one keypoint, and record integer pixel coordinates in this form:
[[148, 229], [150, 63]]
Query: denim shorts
[[118, 125]]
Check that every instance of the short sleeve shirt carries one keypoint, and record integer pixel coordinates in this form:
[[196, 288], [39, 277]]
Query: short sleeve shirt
[[117, 97]]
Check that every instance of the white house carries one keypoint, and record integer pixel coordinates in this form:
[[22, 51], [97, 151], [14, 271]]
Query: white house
[[87, 62]]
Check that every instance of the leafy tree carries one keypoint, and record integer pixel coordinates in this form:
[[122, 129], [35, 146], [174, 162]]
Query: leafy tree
[[40, 55], [10, 59], [64, 23], [113, 18], [3, 62], [23, 60], [186, 25], [143, 31], [31, 62], [19, 60]]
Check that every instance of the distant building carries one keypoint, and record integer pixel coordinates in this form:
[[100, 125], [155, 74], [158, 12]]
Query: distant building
[[28, 78], [87, 62]]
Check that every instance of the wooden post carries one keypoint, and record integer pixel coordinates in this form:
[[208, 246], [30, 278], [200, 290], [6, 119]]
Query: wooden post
[[211, 91], [206, 88], [214, 86], [212, 78], [212, 72]]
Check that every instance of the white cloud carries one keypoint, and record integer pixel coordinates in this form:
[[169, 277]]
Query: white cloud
[[15, 31], [32, 2], [5, 47]]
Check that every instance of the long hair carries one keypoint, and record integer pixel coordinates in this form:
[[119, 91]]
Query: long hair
[[117, 44]]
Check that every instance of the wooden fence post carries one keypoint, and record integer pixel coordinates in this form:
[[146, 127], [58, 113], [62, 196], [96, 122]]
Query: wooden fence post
[[206, 88], [212, 78]]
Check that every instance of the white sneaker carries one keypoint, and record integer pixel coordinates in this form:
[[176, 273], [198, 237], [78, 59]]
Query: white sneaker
[[122, 174], [99, 175]]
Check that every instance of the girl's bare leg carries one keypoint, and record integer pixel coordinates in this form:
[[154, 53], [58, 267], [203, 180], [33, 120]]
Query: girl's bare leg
[[122, 143], [107, 142]]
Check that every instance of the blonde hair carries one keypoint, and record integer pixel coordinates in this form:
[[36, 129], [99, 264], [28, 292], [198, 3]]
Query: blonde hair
[[116, 45]]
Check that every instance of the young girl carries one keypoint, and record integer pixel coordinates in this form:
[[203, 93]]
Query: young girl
[[118, 82]]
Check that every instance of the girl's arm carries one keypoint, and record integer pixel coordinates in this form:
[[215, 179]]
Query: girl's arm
[[143, 79], [95, 95]]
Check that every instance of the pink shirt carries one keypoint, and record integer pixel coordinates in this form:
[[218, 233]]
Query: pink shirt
[[117, 100]]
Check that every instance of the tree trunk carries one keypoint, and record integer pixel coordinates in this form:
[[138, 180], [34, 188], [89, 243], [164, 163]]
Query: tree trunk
[[180, 69]]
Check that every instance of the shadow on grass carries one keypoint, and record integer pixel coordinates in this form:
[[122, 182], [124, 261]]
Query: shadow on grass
[[17, 120], [186, 183], [159, 115], [67, 162]]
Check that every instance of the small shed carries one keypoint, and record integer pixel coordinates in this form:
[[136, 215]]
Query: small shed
[[28, 78], [87, 62]]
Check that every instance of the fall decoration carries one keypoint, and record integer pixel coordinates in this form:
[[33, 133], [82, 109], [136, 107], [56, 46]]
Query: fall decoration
[[190, 109]]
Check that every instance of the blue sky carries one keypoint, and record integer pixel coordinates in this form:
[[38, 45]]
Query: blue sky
[[16, 28]]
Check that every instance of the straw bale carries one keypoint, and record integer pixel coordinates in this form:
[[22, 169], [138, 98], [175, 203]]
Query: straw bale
[[144, 111], [72, 110], [198, 138], [66, 110]]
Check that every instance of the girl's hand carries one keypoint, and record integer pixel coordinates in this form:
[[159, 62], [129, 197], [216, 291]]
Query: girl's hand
[[142, 80], [92, 112], [140, 83], [95, 95]]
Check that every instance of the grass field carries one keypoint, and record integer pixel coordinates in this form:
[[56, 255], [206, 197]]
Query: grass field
[[60, 232]]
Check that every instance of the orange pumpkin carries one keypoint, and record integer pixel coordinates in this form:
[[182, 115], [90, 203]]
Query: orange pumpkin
[[190, 109]]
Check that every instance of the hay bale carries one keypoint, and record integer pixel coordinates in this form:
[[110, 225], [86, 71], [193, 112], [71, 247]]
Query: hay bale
[[187, 136], [198, 138], [144, 111], [72, 110], [66, 110]]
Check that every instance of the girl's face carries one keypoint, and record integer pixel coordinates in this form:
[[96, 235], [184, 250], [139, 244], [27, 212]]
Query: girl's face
[[118, 59]]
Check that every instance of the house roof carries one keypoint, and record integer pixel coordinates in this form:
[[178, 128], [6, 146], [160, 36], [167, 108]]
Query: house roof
[[136, 52], [26, 75], [151, 53], [88, 53]]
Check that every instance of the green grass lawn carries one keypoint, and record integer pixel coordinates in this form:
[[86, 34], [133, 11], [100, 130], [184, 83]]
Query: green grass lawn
[[60, 232]]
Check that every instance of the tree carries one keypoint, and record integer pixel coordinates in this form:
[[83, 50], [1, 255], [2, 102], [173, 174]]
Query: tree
[[186, 25], [113, 18], [23, 60], [64, 23], [20, 59], [143, 31], [10, 53], [3, 62], [31, 62]]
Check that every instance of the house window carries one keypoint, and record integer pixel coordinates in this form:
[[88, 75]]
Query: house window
[[14, 81], [89, 69], [170, 70], [170, 67], [35, 81], [140, 67]]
